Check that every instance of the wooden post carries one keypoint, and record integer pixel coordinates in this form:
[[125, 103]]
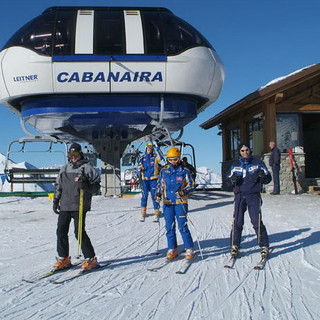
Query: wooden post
[[269, 124]]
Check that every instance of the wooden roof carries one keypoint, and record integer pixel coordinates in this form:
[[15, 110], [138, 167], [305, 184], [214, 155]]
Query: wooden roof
[[276, 86]]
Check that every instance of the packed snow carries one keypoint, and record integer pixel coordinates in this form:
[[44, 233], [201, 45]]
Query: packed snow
[[287, 289]]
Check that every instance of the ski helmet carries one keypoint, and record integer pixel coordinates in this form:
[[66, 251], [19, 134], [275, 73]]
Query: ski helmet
[[149, 145], [173, 152]]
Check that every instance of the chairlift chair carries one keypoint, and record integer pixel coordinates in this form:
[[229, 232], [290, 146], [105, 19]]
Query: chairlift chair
[[32, 175]]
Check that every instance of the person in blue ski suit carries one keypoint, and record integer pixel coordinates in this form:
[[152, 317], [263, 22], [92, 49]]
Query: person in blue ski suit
[[247, 175], [149, 170], [174, 185]]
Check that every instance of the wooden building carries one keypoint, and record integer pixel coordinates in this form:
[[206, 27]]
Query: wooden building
[[287, 111]]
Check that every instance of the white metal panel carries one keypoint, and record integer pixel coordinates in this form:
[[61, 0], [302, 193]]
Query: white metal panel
[[144, 76], [134, 34], [191, 72], [81, 77], [84, 32], [25, 72], [3, 90]]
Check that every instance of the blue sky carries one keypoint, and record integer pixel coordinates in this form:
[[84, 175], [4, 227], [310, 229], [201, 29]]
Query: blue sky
[[257, 40]]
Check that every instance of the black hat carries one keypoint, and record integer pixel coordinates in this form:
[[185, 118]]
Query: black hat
[[75, 147], [244, 145]]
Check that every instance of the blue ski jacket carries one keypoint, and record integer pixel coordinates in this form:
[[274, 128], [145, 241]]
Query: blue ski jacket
[[247, 172], [174, 179], [149, 166]]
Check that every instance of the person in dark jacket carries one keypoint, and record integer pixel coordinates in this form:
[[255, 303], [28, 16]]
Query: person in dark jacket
[[247, 175], [191, 168], [77, 174], [274, 162]]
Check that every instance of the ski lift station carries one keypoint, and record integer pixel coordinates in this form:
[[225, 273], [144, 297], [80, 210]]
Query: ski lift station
[[108, 76]]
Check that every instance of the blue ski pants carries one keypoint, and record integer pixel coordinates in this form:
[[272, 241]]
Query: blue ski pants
[[253, 203], [149, 186], [173, 213]]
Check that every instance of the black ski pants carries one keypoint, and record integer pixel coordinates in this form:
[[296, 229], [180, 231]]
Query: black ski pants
[[64, 220], [276, 180], [252, 202]]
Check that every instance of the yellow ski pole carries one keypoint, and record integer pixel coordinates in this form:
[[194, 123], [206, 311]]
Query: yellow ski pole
[[80, 222]]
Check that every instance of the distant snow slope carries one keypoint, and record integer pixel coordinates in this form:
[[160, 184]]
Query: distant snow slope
[[5, 186], [288, 288]]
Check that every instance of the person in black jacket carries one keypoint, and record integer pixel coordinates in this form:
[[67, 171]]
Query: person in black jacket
[[191, 168], [77, 174], [247, 175], [274, 162]]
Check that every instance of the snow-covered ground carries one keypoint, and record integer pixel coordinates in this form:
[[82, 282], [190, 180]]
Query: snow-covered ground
[[287, 289]]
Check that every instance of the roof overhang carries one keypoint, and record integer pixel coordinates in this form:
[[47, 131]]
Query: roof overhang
[[269, 90]]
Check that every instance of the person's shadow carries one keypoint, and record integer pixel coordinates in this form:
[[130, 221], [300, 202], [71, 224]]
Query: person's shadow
[[215, 247]]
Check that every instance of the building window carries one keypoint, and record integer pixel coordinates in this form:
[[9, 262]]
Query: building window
[[64, 33], [36, 35], [109, 32], [234, 137], [255, 133], [288, 131]]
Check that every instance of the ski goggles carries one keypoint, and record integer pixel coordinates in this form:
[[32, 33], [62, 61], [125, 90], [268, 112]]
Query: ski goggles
[[73, 154], [174, 159]]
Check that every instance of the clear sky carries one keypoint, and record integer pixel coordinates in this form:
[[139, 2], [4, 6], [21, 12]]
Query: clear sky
[[257, 40]]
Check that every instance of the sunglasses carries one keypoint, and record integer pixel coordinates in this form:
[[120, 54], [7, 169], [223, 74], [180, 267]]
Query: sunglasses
[[244, 150], [173, 159]]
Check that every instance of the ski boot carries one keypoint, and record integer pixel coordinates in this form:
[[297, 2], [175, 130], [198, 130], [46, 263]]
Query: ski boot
[[234, 250], [89, 264], [143, 214], [172, 253], [156, 215], [264, 251], [189, 254], [62, 263]]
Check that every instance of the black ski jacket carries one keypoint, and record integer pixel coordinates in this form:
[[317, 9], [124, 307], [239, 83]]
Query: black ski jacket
[[247, 170]]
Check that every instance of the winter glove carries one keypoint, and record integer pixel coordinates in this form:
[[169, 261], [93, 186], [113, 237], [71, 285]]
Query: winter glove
[[180, 193], [158, 197], [235, 178], [84, 183], [260, 175], [56, 206]]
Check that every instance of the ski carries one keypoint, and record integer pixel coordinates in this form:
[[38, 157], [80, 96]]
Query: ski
[[165, 261], [261, 264], [50, 273], [186, 263], [81, 272], [160, 265], [231, 262]]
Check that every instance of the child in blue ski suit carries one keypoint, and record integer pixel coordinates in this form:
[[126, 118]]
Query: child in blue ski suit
[[149, 168], [174, 184], [247, 175]]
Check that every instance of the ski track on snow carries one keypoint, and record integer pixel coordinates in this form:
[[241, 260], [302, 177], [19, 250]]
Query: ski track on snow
[[126, 290]]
